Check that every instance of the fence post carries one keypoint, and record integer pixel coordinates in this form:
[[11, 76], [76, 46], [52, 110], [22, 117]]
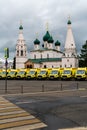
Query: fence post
[[21, 88], [77, 86], [42, 87], [61, 87]]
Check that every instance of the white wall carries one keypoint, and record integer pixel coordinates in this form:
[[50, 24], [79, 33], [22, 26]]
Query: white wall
[[51, 53], [20, 62], [48, 65], [68, 61]]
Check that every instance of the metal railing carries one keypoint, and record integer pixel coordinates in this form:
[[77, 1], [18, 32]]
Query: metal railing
[[23, 87]]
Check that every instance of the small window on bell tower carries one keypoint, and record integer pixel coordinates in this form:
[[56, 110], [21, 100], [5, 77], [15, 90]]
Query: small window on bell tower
[[47, 55], [41, 56], [21, 52], [34, 56], [25, 53], [17, 53]]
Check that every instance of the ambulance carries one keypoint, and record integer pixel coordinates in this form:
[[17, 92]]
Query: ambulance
[[44, 73], [32, 73], [81, 74], [12, 74], [21, 74], [3, 74], [54, 73], [68, 74]]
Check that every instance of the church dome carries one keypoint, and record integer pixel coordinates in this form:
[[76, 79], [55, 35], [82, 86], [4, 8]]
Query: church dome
[[37, 42], [21, 27], [50, 40], [69, 22], [57, 43], [46, 36]]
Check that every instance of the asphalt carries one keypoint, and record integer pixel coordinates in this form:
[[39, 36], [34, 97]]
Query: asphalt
[[13, 117], [58, 110], [53, 109]]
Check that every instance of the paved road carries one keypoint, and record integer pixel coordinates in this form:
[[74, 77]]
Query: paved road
[[63, 104], [58, 110]]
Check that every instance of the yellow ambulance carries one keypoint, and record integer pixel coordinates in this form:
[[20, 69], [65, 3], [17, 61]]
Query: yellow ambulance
[[68, 73], [12, 74], [81, 74], [32, 73], [43, 73]]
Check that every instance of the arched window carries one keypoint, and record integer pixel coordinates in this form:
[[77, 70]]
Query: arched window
[[67, 60], [70, 65], [47, 55], [17, 53], [46, 45], [45, 66], [21, 52], [34, 56], [41, 56], [25, 53]]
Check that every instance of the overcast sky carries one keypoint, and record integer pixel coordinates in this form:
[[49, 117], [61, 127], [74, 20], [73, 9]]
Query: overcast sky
[[34, 15]]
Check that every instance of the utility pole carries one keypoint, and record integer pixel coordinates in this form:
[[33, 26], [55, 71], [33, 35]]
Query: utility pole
[[6, 64]]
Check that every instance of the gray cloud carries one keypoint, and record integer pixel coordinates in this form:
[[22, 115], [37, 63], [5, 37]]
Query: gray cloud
[[34, 15]]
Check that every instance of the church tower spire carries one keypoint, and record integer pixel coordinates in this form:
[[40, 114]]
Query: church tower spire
[[70, 43], [69, 58], [21, 49], [20, 37]]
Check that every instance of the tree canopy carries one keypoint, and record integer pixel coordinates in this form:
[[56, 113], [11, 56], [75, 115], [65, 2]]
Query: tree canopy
[[83, 56]]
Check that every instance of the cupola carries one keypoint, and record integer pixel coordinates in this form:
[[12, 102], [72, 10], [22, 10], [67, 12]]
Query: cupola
[[36, 42], [57, 43], [21, 27], [69, 22], [46, 36], [50, 40]]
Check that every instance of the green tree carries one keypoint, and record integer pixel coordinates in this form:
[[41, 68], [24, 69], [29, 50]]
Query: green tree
[[83, 56], [14, 63]]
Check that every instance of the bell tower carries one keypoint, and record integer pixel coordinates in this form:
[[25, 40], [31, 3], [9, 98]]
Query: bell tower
[[70, 58], [21, 49]]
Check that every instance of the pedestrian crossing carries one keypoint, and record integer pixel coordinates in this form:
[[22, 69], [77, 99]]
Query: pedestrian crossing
[[13, 117]]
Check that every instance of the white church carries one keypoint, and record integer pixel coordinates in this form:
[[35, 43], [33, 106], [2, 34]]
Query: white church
[[48, 54]]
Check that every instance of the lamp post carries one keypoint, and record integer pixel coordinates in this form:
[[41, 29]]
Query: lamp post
[[6, 64]]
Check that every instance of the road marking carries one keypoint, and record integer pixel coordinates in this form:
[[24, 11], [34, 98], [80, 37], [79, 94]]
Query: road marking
[[82, 89], [29, 127], [76, 128], [14, 118], [10, 110], [8, 107], [8, 116], [6, 104], [18, 123], [13, 112], [25, 102], [85, 96]]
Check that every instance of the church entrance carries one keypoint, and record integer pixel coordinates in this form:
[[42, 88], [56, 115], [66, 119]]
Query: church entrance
[[45, 66], [29, 66]]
